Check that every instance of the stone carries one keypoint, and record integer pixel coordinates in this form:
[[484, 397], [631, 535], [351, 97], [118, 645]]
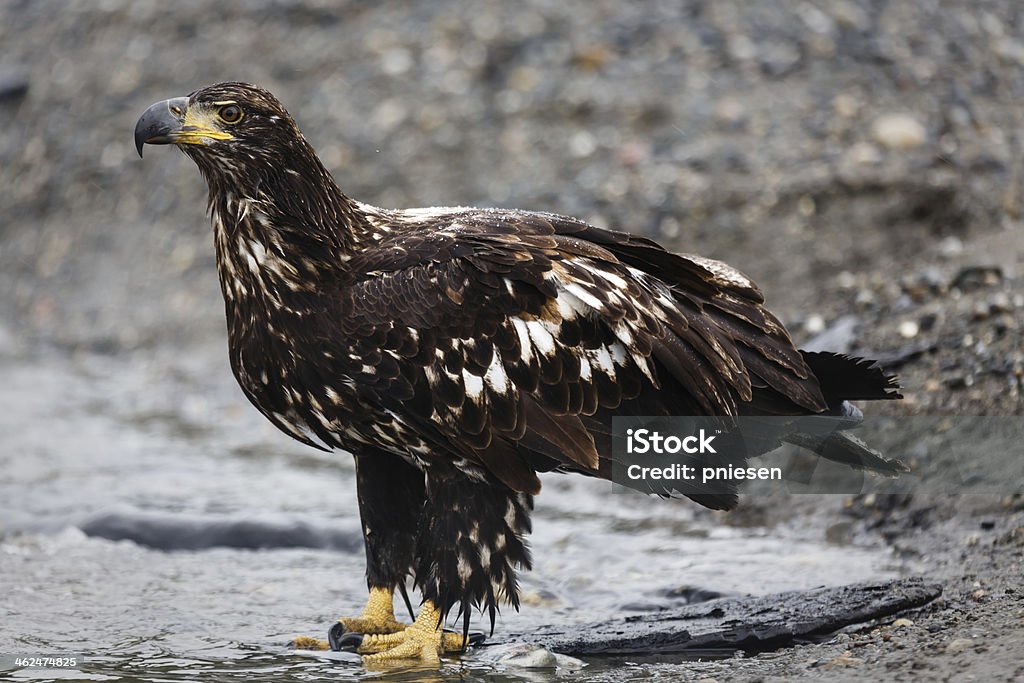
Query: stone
[[898, 131]]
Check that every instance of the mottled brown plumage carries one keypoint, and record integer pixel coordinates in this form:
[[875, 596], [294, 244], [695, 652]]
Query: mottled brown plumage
[[458, 352]]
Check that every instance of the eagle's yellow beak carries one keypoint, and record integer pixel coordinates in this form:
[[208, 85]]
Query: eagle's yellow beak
[[174, 122]]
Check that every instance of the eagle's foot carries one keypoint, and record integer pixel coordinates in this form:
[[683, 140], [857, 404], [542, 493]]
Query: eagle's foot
[[424, 640], [378, 616]]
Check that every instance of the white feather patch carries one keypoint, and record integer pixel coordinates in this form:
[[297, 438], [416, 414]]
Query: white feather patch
[[618, 353], [583, 295], [496, 378], [613, 278], [542, 339], [526, 348], [474, 385], [624, 334], [585, 372], [645, 367], [464, 568], [510, 514], [603, 359]]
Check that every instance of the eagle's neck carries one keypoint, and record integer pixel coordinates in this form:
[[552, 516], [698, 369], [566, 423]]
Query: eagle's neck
[[283, 234]]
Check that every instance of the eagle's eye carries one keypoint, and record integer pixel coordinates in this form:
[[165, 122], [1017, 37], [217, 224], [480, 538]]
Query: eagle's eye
[[230, 113]]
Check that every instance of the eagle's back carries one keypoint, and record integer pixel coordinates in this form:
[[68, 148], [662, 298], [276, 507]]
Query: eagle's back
[[504, 341]]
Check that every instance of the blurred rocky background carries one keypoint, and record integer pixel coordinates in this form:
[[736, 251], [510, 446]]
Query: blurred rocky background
[[861, 160]]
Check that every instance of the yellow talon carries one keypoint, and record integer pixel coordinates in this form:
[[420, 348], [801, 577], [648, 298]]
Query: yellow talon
[[378, 616], [423, 640], [310, 643]]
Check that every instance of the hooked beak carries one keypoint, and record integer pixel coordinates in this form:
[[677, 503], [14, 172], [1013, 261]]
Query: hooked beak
[[160, 124]]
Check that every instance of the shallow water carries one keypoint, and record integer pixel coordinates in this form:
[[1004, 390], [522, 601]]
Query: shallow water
[[166, 436]]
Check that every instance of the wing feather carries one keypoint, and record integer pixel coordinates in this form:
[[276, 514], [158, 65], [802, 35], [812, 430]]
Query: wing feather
[[508, 334]]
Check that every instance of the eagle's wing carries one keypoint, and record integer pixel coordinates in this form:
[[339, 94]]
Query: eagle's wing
[[507, 339]]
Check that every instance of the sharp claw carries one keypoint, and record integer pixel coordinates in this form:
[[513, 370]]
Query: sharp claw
[[476, 638], [342, 640], [335, 635]]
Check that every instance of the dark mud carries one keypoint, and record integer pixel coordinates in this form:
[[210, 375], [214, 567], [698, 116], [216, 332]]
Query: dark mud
[[861, 161]]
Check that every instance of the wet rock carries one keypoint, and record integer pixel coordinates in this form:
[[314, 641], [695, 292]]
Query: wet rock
[[747, 624], [958, 381], [692, 595], [13, 84], [167, 531], [927, 321], [973, 277], [530, 656], [839, 337]]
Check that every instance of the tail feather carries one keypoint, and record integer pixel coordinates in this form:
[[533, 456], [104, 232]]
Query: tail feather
[[847, 378], [847, 449]]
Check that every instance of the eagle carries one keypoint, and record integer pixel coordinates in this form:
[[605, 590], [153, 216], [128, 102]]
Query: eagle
[[458, 352]]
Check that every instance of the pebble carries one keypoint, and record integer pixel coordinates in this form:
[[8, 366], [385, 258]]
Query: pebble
[[814, 324], [980, 311], [844, 660], [1000, 303], [958, 645], [846, 105], [908, 329], [951, 246], [971, 277], [864, 297], [898, 131], [846, 280], [530, 656], [864, 153], [730, 113]]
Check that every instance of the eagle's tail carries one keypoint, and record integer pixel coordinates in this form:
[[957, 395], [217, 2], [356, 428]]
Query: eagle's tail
[[843, 379], [847, 378], [843, 447]]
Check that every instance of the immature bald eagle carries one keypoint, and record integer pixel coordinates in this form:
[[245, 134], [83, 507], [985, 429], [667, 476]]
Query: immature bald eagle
[[457, 352]]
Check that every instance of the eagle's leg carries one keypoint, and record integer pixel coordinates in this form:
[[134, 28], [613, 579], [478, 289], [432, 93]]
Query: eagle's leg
[[470, 544], [390, 493]]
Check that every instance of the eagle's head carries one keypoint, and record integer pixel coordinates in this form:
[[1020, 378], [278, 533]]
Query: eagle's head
[[224, 127], [263, 177]]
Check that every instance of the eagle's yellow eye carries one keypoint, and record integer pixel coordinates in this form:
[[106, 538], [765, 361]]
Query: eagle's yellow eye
[[230, 113]]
